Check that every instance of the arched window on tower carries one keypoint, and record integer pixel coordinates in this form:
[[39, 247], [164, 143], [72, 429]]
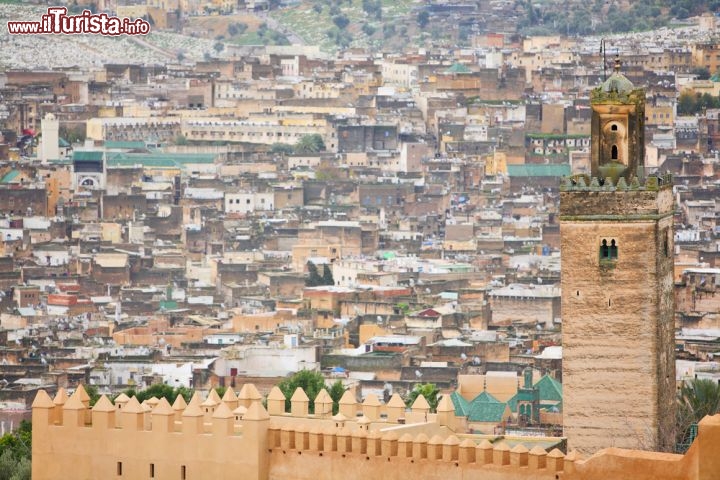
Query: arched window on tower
[[608, 249], [613, 127], [613, 249], [604, 250], [614, 152]]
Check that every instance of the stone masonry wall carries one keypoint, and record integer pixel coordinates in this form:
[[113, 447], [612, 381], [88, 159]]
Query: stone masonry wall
[[618, 364]]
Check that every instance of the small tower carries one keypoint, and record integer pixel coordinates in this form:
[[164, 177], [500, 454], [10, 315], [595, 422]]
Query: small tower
[[618, 128], [49, 146], [617, 286]]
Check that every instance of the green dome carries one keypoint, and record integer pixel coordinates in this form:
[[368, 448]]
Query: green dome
[[617, 83]]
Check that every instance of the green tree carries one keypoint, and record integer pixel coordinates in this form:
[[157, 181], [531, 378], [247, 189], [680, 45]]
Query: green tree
[[702, 73], [281, 148], [336, 392], [92, 392], [368, 29], [327, 276], [313, 279], [311, 143], [697, 399], [15, 453], [310, 381], [423, 18], [160, 390], [220, 391], [341, 21], [219, 47], [686, 103], [428, 390]]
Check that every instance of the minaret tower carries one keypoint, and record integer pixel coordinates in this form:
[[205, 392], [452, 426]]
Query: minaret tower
[[617, 286]]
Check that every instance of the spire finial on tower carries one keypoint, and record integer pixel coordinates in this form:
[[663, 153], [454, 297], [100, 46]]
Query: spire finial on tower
[[618, 63]]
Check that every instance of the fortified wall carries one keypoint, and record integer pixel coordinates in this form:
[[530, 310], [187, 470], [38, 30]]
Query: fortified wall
[[236, 437]]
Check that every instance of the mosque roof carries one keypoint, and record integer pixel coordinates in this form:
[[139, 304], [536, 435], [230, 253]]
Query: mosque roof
[[617, 82], [458, 68]]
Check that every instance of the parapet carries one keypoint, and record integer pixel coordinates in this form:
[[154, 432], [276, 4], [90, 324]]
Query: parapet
[[585, 183], [68, 434], [582, 197]]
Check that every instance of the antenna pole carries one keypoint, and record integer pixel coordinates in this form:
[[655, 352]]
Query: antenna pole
[[603, 51]]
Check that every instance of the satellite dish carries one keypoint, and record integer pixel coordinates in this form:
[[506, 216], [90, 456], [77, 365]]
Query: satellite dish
[[418, 373], [463, 357]]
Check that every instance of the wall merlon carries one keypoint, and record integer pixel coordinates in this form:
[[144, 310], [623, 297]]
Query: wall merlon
[[326, 446]]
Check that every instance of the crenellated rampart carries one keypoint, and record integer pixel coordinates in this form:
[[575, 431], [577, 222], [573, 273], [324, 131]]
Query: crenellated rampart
[[236, 437]]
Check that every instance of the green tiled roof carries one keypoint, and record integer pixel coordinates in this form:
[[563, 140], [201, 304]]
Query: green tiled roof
[[10, 176], [87, 155], [461, 405], [126, 145], [549, 393], [556, 136], [158, 160], [537, 170], [486, 397], [458, 68], [486, 412], [483, 408], [550, 389]]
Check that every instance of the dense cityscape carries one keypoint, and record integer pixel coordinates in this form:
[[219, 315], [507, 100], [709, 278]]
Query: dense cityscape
[[300, 240]]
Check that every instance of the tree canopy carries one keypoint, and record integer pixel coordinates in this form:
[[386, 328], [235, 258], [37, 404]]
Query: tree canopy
[[691, 103], [314, 279], [428, 390], [311, 143], [161, 390], [311, 382], [15, 453], [697, 399]]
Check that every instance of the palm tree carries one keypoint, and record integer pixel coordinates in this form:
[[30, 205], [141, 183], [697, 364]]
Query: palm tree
[[311, 143], [697, 399]]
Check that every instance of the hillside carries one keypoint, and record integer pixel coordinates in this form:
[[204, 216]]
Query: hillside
[[395, 24]]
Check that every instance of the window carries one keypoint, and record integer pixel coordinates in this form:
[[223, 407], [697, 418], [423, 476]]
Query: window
[[152, 470], [183, 474], [614, 152], [608, 250], [613, 127], [119, 469]]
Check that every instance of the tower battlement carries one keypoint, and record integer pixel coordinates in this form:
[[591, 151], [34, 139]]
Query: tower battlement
[[598, 199], [583, 183]]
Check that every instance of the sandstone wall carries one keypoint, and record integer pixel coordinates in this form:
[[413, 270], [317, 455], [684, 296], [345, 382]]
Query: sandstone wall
[[618, 366]]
